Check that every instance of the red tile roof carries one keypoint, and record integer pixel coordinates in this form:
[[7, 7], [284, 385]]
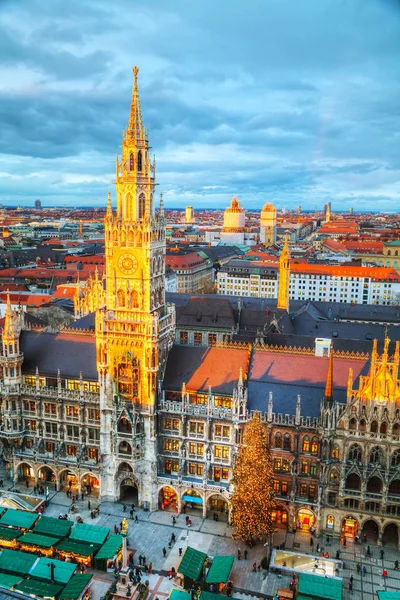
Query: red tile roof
[[376, 273]]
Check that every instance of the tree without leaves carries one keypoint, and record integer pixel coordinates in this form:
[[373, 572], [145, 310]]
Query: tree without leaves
[[253, 478]]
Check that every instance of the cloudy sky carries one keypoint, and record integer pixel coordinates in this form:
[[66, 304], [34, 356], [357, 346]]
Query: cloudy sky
[[295, 102]]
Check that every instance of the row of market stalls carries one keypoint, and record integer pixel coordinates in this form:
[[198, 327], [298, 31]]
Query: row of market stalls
[[40, 555], [196, 570]]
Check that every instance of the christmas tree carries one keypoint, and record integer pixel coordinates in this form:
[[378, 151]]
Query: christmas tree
[[253, 480]]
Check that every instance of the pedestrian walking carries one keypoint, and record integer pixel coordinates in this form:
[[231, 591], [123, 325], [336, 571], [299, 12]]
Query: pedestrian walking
[[344, 542], [350, 586], [254, 567], [368, 553], [239, 554], [311, 541], [173, 520], [364, 570], [180, 551], [384, 573], [27, 483], [164, 551], [351, 578], [358, 567], [131, 514], [318, 547], [337, 555], [382, 553], [136, 519], [396, 565], [150, 568], [89, 505], [124, 508], [245, 554], [82, 496]]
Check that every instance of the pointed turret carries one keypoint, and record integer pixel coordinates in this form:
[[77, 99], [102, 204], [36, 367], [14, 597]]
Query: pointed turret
[[109, 212], [8, 331], [135, 128], [328, 395], [284, 276], [161, 210]]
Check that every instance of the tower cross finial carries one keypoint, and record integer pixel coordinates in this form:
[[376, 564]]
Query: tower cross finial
[[135, 128]]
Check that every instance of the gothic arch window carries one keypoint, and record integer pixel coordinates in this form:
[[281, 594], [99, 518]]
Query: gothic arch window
[[115, 235], [374, 427], [335, 451], [121, 298], [383, 427], [375, 455], [334, 476], [314, 446], [134, 299], [130, 236], [355, 453], [278, 440], [395, 460], [142, 205], [353, 423], [363, 425], [396, 429], [139, 161], [131, 162], [287, 442], [374, 485], [306, 444]]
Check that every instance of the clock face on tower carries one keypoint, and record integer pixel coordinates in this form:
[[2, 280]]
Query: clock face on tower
[[127, 264]]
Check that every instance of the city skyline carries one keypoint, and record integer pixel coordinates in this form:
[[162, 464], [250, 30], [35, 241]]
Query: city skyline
[[299, 109]]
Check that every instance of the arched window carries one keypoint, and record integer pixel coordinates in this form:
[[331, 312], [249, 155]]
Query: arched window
[[363, 425], [134, 299], [395, 461], [314, 446], [355, 453], [353, 423], [335, 451], [278, 440], [142, 205], [287, 442], [383, 428], [306, 444], [396, 429], [374, 427], [334, 475], [121, 298], [375, 455], [131, 162], [139, 160]]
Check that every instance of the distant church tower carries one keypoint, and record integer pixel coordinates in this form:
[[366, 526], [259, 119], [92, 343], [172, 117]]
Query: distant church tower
[[134, 327], [268, 225], [284, 276]]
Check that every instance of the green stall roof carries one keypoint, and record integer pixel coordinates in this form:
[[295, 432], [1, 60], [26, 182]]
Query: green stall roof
[[110, 548], [7, 533], [76, 547], [90, 534], [220, 569], [18, 518], [39, 588], [8, 581], [75, 586], [384, 595], [320, 587], [54, 527], [179, 595], [12, 561], [192, 563], [212, 596], [62, 573], [42, 541]]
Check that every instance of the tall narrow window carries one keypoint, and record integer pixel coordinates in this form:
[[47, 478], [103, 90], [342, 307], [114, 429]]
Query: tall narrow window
[[131, 162], [142, 205], [139, 160], [121, 298]]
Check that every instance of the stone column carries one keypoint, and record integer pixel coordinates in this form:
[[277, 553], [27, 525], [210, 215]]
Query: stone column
[[204, 508]]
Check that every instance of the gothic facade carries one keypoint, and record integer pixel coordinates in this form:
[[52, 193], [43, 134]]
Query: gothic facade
[[130, 409]]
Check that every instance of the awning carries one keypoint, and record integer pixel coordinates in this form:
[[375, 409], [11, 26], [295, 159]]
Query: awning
[[110, 548], [75, 586], [193, 499], [39, 588], [78, 548], [63, 571], [15, 562], [192, 563], [323, 588], [384, 595], [42, 541], [8, 581], [91, 534], [18, 518], [59, 528], [179, 595], [220, 569], [10, 534]]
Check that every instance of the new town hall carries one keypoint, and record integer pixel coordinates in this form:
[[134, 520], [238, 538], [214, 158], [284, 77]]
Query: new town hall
[[147, 400]]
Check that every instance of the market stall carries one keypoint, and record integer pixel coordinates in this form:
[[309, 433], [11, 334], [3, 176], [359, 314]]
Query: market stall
[[315, 587], [78, 588], [39, 544], [9, 537], [59, 528], [16, 563], [219, 573], [76, 552], [109, 554], [9, 581], [43, 589], [20, 519], [89, 534], [191, 567], [48, 570], [179, 595]]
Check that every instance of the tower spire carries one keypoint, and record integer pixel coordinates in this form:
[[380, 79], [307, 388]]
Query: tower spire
[[8, 331], [284, 276], [109, 207], [328, 396], [135, 128]]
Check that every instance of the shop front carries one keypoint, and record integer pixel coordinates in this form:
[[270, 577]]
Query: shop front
[[279, 517], [305, 519], [90, 484], [349, 527], [192, 500], [168, 499]]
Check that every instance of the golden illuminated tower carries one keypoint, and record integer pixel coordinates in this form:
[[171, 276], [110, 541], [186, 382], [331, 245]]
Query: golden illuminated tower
[[11, 359], [284, 276], [134, 327]]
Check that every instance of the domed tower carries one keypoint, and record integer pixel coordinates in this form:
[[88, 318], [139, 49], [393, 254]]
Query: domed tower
[[268, 225], [234, 216]]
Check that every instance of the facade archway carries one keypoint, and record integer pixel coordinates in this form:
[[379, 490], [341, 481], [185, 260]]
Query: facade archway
[[371, 530], [280, 517], [218, 508], [90, 484], [305, 519], [353, 482], [350, 527], [192, 499], [168, 498], [68, 480], [390, 535], [129, 490], [374, 485], [46, 474], [25, 472]]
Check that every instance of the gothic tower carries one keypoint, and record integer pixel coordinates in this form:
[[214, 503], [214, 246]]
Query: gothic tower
[[284, 276], [11, 359], [134, 326], [268, 225]]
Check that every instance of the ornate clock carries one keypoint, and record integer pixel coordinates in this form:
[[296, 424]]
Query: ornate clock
[[127, 264]]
